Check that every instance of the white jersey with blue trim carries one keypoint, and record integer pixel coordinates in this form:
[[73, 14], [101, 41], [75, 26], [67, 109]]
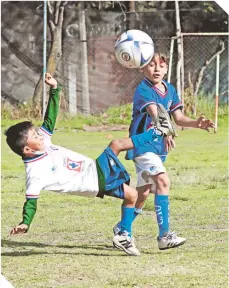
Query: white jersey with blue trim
[[61, 170]]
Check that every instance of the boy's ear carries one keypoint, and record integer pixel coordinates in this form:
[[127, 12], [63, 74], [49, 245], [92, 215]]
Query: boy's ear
[[26, 149]]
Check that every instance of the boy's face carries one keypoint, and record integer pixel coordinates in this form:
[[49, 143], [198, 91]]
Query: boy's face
[[155, 70], [35, 142]]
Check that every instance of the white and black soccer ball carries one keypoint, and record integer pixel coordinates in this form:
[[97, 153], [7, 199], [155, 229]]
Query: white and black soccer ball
[[134, 49]]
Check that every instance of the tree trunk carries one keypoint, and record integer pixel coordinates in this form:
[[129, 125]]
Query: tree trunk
[[55, 26], [131, 16]]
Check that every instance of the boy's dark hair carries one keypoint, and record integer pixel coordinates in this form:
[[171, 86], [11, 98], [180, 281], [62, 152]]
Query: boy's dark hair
[[16, 136], [162, 55]]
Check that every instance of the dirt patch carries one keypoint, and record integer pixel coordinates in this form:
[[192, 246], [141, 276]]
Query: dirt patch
[[114, 128], [105, 128]]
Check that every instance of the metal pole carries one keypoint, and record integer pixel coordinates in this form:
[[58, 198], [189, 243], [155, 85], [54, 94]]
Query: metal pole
[[182, 69], [206, 34], [217, 92], [44, 56], [85, 80], [170, 59], [178, 33]]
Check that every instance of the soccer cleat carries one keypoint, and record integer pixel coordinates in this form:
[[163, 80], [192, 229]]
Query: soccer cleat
[[164, 123], [126, 243], [117, 228], [170, 241]]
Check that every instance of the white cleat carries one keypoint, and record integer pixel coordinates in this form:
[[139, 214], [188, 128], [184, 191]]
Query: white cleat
[[170, 241], [126, 243]]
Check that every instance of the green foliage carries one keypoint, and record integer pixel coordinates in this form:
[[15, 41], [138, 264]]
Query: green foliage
[[117, 115], [204, 106], [114, 115]]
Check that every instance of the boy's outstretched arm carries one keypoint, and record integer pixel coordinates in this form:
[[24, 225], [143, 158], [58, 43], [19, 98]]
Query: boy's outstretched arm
[[185, 121], [53, 103]]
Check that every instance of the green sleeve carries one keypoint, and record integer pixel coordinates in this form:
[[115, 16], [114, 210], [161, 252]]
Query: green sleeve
[[29, 210], [52, 109]]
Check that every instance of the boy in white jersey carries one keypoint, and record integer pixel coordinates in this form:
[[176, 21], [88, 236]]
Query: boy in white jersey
[[149, 157], [55, 168]]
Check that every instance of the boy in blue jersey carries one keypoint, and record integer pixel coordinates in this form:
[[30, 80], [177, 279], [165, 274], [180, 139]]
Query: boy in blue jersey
[[149, 158]]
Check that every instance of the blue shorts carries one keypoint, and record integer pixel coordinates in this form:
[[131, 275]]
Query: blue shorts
[[111, 175]]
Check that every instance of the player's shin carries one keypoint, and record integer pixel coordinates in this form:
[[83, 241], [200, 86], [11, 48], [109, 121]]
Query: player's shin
[[162, 213], [126, 220], [143, 193], [128, 206], [137, 211]]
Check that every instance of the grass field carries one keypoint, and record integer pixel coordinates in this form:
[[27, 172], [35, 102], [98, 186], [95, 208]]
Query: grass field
[[69, 243]]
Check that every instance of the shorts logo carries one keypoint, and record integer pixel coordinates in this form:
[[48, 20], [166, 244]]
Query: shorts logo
[[112, 162], [125, 57], [152, 169], [74, 165]]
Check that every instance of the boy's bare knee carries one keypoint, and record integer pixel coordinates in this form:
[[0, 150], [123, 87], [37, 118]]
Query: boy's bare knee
[[130, 194], [116, 146], [163, 181]]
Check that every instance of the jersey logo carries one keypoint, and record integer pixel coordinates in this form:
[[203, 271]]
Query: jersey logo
[[169, 105], [74, 165], [54, 168]]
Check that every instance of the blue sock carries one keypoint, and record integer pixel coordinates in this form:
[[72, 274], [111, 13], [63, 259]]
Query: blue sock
[[162, 211], [136, 212], [127, 219]]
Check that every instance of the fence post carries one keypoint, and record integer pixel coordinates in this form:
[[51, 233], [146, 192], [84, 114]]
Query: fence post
[[178, 33], [170, 59], [84, 62], [217, 92], [182, 69], [72, 90], [44, 57]]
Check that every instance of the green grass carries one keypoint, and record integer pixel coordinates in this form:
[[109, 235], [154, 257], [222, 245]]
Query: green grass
[[69, 243]]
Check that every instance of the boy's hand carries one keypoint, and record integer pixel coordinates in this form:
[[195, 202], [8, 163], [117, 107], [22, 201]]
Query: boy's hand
[[204, 123], [50, 80], [169, 143], [22, 228]]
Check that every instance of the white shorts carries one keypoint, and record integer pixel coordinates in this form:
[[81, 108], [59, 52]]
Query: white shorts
[[147, 165]]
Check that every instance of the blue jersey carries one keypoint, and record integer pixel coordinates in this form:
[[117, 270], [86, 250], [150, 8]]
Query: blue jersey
[[146, 94]]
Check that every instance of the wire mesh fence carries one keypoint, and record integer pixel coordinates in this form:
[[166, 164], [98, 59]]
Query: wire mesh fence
[[199, 64], [109, 84]]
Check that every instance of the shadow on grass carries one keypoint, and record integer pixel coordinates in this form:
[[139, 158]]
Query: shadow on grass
[[31, 253], [13, 244], [100, 247]]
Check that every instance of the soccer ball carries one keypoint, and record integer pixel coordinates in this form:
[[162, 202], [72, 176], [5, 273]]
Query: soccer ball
[[134, 49]]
